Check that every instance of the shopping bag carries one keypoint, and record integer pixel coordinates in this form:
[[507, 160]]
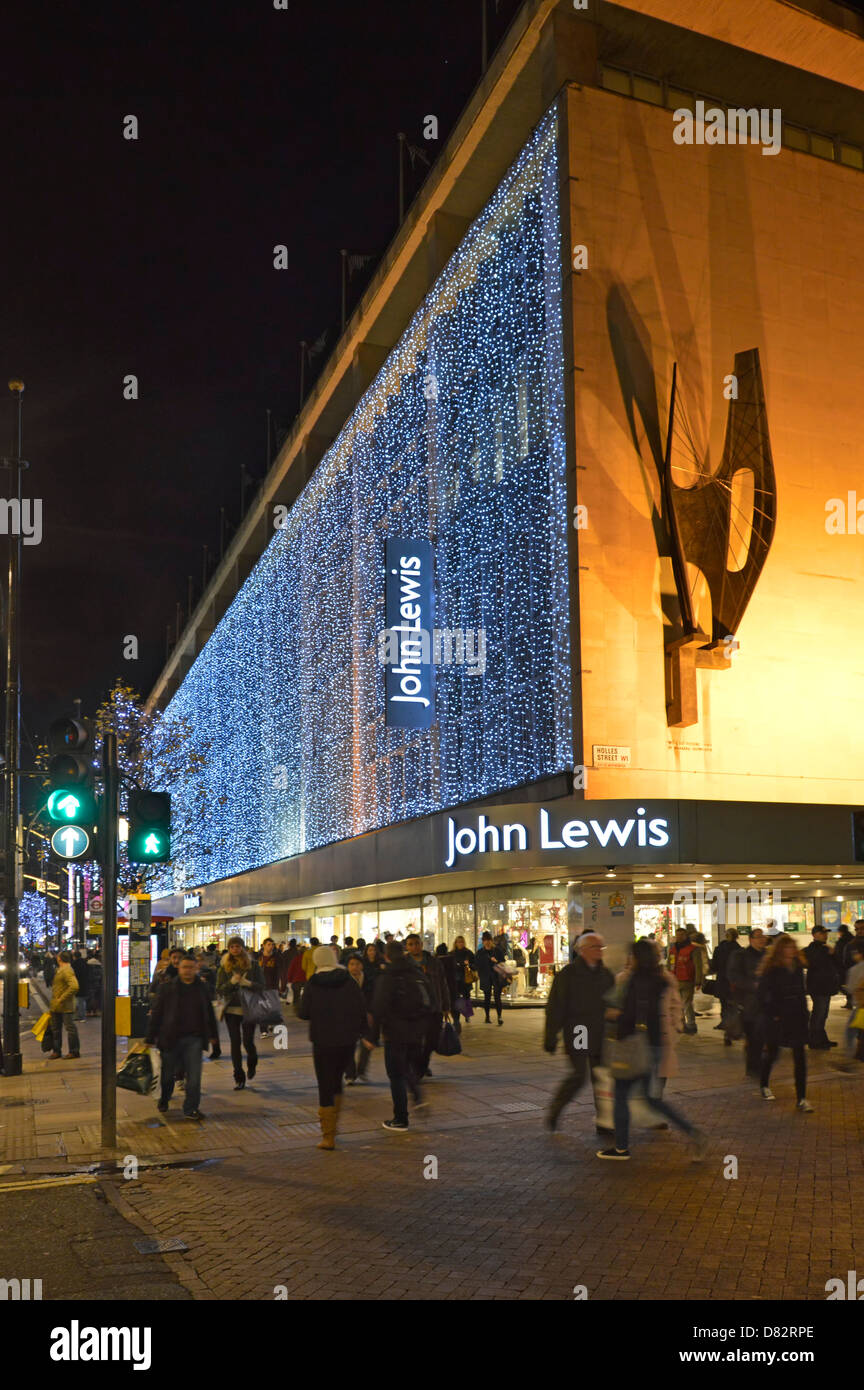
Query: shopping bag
[[464, 1007], [136, 1073], [604, 1097], [261, 1006], [448, 1041], [627, 1057], [40, 1025], [48, 1039], [857, 1019]]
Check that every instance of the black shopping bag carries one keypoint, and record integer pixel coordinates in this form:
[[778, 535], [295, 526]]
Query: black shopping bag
[[136, 1073], [449, 1044]]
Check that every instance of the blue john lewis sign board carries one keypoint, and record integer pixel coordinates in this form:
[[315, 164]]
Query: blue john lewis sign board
[[409, 679]]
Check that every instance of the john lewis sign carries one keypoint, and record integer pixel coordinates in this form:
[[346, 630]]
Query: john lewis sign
[[409, 689], [577, 832]]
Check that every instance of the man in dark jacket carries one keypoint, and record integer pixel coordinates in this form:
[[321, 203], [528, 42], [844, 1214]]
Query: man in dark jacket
[[182, 1024], [720, 968], [401, 1007], [334, 1005], [576, 1009], [843, 958], [434, 971], [79, 965], [821, 983], [742, 972]]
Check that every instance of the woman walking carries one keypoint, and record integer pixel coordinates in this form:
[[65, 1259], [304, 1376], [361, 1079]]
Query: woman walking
[[355, 1073], [464, 976], [638, 1008], [239, 971], [270, 964], [782, 1004], [491, 980], [533, 964], [335, 1007]]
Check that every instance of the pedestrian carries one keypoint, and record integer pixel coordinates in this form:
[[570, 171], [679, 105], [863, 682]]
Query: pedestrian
[[308, 958], [238, 972], [79, 965], [334, 1006], [348, 950], [434, 971], [491, 980], [365, 979], [465, 974], [94, 984], [854, 987], [64, 990], [182, 1024], [782, 1004], [576, 1009], [843, 958], [636, 1004], [49, 969], [401, 1007], [373, 961], [270, 966], [720, 968], [166, 969], [295, 976], [683, 962], [821, 982], [743, 973], [454, 981], [285, 961]]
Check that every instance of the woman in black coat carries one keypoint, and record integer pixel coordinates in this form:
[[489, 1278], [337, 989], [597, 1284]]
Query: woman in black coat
[[463, 964], [782, 1005]]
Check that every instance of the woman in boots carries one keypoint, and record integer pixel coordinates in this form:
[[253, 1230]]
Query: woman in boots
[[238, 971], [334, 1005]]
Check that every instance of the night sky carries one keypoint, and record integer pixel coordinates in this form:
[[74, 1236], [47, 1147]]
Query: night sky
[[154, 257]]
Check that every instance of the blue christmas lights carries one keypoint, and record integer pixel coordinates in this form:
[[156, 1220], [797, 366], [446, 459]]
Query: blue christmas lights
[[460, 439]]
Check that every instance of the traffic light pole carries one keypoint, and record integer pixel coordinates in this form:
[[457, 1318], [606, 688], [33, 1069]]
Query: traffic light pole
[[11, 1028], [108, 864]]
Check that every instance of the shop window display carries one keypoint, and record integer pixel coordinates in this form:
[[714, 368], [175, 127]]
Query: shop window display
[[533, 917]]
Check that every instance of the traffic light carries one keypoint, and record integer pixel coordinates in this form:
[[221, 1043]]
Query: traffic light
[[70, 771], [149, 828]]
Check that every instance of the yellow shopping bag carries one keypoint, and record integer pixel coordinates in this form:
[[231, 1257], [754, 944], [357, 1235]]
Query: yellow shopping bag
[[38, 1029]]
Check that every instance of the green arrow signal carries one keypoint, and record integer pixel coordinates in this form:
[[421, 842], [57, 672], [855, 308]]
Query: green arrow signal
[[68, 805]]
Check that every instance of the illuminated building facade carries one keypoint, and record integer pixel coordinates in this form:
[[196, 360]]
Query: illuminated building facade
[[610, 370]]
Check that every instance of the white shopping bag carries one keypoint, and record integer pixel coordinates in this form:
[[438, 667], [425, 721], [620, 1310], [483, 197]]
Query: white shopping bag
[[604, 1096]]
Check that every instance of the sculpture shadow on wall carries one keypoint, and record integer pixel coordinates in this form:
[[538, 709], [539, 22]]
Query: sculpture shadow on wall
[[721, 526]]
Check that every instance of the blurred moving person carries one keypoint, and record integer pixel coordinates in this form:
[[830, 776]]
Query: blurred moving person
[[238, 971], [782, 1006]]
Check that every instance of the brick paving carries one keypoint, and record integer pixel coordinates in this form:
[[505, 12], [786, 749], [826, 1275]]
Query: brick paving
[[513, 1212]]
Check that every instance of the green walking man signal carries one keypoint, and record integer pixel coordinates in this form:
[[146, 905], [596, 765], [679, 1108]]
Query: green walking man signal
[[149, 827]]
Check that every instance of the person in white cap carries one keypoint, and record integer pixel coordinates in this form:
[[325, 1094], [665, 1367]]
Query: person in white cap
[[334, 1006]]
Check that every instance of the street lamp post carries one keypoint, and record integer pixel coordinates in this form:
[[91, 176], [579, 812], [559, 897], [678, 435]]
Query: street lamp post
[[11, 1031]]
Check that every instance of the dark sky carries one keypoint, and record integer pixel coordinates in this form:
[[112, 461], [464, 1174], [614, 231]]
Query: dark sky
[[154, 257]]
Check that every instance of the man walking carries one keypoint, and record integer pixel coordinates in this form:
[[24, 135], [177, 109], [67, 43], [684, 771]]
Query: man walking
[[685, 961], [576, 1009], [401, 1007], [821, 983], [742, 970], [334, 1006], [720, 967], [182, 1023], [434, 972]]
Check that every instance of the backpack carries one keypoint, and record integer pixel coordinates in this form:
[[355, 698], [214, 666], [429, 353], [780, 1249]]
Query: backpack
[[412, 997], [685, 968]]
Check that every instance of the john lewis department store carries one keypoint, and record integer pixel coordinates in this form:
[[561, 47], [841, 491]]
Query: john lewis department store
[[515, 441]]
